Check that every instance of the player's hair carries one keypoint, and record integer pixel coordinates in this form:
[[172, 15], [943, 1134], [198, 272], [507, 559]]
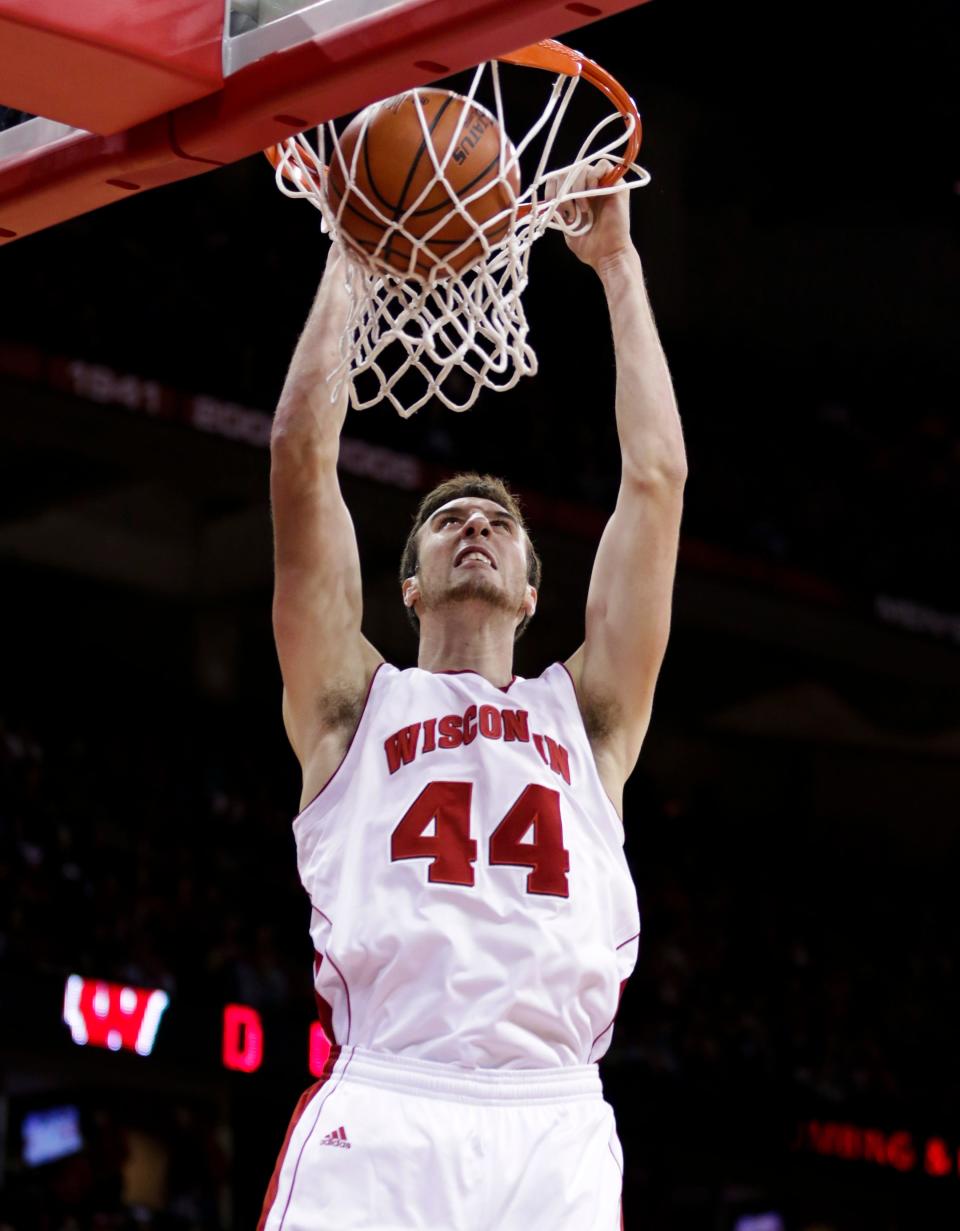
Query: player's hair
[[486, 487]]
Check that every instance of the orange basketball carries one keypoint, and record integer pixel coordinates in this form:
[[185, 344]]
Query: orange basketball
[[394, 167]]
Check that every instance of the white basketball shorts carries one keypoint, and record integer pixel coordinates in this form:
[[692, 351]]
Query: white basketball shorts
[[390, 1144]]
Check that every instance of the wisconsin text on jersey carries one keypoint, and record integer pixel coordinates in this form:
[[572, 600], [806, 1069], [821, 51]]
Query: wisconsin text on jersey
[[460, 730]]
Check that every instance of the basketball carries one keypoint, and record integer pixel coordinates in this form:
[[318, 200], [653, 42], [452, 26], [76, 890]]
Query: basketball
[[393, 174]]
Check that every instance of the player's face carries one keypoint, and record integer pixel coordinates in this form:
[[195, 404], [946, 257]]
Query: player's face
[[473, 548]]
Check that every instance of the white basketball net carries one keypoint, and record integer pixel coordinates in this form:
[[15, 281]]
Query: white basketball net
[[453, 333]]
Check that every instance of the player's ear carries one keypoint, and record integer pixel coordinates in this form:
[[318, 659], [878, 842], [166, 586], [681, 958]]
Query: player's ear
[[530, 601], [410, 589]]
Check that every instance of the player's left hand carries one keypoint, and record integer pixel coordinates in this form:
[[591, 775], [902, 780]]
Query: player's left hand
[[609, 235]]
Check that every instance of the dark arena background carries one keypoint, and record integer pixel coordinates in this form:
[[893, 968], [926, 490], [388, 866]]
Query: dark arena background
[[786, 1055]]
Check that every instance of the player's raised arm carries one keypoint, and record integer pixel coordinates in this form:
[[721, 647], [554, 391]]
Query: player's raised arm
[[628, 605], [317, 606]]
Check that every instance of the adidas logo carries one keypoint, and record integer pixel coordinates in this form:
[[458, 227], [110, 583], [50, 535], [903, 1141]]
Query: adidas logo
[[337, 1138]]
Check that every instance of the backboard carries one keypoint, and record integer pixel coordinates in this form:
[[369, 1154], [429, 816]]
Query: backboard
[[135, 96]]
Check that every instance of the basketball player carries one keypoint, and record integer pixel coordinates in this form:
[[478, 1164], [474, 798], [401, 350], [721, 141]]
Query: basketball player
[[460, 837]]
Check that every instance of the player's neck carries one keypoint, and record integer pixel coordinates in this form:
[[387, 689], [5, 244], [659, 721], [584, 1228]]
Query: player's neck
[[460, 641]]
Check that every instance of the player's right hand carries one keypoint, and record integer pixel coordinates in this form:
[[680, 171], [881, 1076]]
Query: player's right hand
[[608, 237]]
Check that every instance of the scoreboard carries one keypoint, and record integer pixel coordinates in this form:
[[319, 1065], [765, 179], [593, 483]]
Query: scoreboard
[[121, 1017]]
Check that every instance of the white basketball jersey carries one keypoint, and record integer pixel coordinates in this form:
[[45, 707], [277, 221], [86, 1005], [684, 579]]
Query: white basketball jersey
[[471, 900]]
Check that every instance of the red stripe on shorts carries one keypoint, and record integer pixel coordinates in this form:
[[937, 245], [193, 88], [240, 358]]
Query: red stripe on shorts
[[297, 1113]]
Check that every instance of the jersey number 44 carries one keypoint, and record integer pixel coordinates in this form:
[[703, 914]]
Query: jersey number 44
[[452, 852]]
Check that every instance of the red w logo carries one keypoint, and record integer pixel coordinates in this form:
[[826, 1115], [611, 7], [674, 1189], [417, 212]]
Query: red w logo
[[112, 1015]]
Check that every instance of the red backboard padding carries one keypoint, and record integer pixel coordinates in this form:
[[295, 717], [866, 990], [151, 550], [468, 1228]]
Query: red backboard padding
[[106, 65], [410, 45]]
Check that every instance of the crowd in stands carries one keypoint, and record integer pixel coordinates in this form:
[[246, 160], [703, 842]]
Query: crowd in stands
[[123, 859], [801, 961], [121, 864]]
